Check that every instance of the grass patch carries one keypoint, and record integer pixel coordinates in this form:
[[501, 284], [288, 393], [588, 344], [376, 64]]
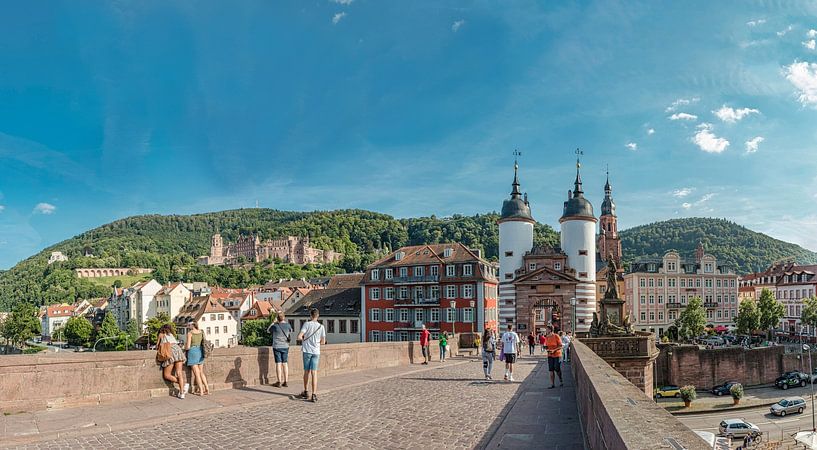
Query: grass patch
[[127, 280]]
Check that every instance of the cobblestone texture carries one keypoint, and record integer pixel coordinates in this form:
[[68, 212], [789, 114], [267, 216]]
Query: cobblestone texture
[[450, 407]]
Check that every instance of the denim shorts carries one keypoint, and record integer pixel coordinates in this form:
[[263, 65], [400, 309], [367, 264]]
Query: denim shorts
[[281, 354], [311, 361]]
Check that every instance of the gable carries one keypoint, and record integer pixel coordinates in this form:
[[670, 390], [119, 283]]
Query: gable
[[546, 275]]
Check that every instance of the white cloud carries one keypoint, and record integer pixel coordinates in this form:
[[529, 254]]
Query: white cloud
[[632, 146], [810, 44], [753, 144], [812, 33], [343, 2], [686, 205], [803, 76], [707, 141], [651, 131], [683, 116], [704, 199], [681, 102], [784, 31], [2, 208], [338, 17], [682, 192], [756, 22], [731, 115], [456, 25], [45, 208]]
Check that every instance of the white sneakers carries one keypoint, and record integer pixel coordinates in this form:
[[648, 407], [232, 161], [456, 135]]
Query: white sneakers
[[185, 391]]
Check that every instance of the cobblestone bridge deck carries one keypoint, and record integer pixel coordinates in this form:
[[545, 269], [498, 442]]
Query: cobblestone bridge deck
[[442, 406]]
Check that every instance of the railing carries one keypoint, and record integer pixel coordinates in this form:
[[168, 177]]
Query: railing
[[674, 305], [710, 305], [420, 279], [417, 302]]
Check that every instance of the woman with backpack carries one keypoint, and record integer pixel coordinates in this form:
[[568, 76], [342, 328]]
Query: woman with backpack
[[488, 352], [195, 357], [171, 357]]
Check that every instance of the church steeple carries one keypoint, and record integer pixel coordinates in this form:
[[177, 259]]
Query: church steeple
[[609, 243], [576, 206], [516, 207], [577, 190], [608, 206]]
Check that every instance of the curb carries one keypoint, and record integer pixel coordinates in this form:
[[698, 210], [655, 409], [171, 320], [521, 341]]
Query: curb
[[713, 411], [108, 428]]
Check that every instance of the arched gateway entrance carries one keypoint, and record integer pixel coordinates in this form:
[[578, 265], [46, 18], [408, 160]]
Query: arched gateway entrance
[[544, 312]]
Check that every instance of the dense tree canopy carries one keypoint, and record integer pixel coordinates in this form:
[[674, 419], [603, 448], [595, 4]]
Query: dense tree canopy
[[692, 320], [748, 318]]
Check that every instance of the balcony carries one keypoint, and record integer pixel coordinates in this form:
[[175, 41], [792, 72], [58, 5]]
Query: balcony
[[416, 325], [675, 305], [710, 305], [417, 302], [420, 279]]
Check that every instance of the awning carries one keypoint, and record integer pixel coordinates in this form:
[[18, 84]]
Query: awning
[[721, 328]]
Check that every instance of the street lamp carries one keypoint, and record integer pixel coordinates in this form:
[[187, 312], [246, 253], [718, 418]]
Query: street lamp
[[573, 318], [453, 305], [472, 303], [811, 370]]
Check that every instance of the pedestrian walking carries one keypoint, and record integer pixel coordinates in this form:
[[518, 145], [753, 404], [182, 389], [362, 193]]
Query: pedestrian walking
[[425, 337], [443, 346], [510, 347], [281, 332], [531, 344], [565, 345], [554, 344], [312, 336], [477, 342], [195, 358], [488, 352], [171, 358], [542, 342]]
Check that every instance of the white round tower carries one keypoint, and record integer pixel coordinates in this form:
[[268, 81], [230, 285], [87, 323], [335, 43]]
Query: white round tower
[[515, 239], [578, 239]]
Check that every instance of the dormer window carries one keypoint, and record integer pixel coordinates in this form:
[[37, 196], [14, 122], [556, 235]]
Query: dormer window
[[375, 274], [467, 270], [399, 255], [448, 252]]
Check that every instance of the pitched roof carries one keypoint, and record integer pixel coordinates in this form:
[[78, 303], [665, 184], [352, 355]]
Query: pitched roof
[[60, 311], [329, 302], [427, 254], [195, 307], [262, 308], [345, 280], [287, 283], [547, 274]]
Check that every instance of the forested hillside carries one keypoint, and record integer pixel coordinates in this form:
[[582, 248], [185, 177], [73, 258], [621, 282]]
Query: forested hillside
[[736, 246]]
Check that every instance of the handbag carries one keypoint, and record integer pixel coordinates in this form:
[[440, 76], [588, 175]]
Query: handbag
[[502, 353], [206, 347]]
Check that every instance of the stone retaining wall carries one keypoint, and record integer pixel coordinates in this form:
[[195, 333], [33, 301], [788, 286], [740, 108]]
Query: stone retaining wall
[[56, 380], [617, 415]]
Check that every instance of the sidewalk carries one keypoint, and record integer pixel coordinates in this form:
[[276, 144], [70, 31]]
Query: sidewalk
[[71, 422], [752, 398]]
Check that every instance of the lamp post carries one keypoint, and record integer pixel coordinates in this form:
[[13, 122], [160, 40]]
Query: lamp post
[[811, 370], [573, 317], [472, 303], [453, 305]]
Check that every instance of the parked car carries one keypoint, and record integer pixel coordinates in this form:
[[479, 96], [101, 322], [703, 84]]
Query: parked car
[[788, 405], [738, 428], [792, 379], [723, 389], [713, 340], [668, 391]]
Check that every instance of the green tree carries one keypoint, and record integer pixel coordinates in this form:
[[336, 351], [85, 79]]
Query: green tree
[[132, 329], [692, 320], [770, 310], [21, 325], [809, 315], [155, 323], [78, 331], [254, 333], [748, 318], [109, 331]]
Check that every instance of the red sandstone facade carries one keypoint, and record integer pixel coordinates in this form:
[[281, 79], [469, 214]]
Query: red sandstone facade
[[418, 285]]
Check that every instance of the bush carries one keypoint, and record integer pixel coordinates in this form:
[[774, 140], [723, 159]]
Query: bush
[[737, 391], [33, 349], [688, 393]]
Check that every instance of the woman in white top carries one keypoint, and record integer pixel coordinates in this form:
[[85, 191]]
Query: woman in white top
[[176, 361]]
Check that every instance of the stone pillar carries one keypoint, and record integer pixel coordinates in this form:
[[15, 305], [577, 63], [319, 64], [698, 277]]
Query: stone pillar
[[632, 356]]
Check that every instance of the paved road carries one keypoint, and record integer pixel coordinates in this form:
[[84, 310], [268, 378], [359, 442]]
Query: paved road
[[450, 407]]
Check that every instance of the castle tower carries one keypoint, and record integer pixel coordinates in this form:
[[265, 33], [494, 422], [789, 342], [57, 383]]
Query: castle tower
[[609, 242], [216, 246], [578, 238], [515, 239]]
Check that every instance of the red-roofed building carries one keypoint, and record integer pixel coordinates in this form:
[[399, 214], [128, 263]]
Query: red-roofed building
[[447, 287], [260, 310], [54, 317], [213, 319]]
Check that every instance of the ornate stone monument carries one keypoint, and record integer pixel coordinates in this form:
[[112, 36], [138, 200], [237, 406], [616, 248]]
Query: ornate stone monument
[[611, 306]]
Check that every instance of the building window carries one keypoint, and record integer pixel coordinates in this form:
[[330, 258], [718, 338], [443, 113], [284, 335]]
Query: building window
[[435, 314], [697, 282], [717, 283], [508, 276], [389, 274], [708, 283], [212, 317], [708, 267], [652, 299], [683, 282], [404, 313], [374, 293], [450, 314], [225, 329], [208, 330], [532, 267], [330, 326], [450, 270], [403, 293], [468, 291], [660, 299], [435, 270], [418, 315], [557, 266], [342, 326], [404, 336], [389, 293], [375, 274], [434, 292], [661, 316], [467, 270], [389, 336], [418, 293], [468, 315], [652, 316], [671, 282], [374, 314], [419, 271], [643, 300], [671, 266], [660, 282], [374, 336], [643, 317], [508, 254], [217, 344], [642, 282], [582, 274], [353, 324], [389, 314], [404, 272], [651, 282], [291, 324], [451, 291]]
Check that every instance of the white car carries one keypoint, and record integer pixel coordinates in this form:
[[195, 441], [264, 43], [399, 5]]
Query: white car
[[738, 428]]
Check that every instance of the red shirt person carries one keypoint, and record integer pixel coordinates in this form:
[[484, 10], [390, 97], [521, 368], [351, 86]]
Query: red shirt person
[[425, 337]]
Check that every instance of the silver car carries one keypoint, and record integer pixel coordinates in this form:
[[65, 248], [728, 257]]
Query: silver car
[[788, 405], [738, 428]]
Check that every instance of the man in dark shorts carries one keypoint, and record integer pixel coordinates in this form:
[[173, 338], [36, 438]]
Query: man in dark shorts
[[510, 347], [281, 332], [425, 337], [554, 346]]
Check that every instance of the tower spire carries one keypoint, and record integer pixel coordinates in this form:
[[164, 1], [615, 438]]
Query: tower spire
[[516, 193], [577, 191]]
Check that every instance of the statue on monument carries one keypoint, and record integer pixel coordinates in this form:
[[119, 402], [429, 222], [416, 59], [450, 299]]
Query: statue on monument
[[612, 286]]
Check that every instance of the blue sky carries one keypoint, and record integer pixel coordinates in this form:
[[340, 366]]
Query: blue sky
[[110, 109]]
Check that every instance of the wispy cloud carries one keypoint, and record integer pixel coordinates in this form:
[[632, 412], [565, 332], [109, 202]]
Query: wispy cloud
[[731, 115], [681, 102], [683, 116], [682, 192], [811, 33], [45, 208], [705, 198], [457, 25], [756, 22], [2, 208], [783, 32], [753, 144], [343, 2], [811, 44], [706, 140], [686, 205], [803, 76], [650, 131], [632, 146], [338, 17]]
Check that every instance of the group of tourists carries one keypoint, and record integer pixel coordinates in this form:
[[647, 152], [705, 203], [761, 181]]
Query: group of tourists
[[425, 345], [172, 356], [509, 347]]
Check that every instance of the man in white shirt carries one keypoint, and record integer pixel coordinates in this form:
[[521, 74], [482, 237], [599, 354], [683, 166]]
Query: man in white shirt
[[312, 336], [510, 347]]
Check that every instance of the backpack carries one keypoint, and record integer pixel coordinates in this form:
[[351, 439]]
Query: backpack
[[489, 346], [206, 347]]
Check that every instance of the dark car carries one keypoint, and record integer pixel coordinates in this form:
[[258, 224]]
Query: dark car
[[792, 379], [723, 389]]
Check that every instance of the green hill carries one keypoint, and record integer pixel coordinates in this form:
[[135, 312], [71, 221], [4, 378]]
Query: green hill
[[170, 244], [736, 246]]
